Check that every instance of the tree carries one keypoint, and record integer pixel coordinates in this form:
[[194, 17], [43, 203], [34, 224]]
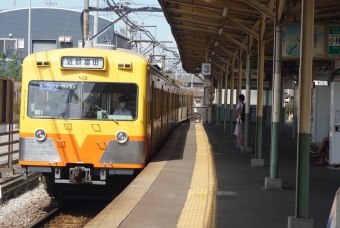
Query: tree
[[2, 65], [10, 68]]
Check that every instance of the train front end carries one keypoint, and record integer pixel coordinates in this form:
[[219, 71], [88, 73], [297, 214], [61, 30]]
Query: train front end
[[71, 129]]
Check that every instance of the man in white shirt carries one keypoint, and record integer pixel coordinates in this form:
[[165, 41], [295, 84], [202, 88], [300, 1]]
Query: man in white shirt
[[123, 100]]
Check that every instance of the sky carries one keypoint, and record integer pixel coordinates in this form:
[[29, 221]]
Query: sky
[[162, 30]]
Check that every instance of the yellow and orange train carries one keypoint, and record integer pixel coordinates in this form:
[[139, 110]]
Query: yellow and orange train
[[70, 129]]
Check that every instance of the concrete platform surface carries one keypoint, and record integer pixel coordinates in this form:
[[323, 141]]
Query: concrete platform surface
[[240, 198]]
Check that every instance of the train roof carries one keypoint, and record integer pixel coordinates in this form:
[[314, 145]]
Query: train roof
[[103, 51], [85, 50]]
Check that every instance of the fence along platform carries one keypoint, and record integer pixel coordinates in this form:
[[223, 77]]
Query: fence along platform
[[9, 119]]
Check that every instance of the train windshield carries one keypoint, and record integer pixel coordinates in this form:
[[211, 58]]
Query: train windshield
[[82, 100]]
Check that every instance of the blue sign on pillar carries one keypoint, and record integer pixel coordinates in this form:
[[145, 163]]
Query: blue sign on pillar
[[206, 68]]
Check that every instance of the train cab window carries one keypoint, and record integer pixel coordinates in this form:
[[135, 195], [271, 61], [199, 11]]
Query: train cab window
[[54, 99], [107, 101], [82, 100]]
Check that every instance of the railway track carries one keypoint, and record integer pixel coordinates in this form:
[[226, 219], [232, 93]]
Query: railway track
[[16, 184], [76, 213], [46, 218], [73, 214]]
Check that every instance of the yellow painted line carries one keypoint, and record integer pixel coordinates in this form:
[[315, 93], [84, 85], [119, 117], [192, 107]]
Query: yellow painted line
[[200, 206]]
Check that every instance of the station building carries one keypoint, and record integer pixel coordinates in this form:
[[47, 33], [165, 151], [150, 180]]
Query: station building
[[51, 28]]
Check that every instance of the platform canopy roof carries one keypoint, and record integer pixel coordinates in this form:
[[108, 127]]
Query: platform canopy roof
[[217, 30]]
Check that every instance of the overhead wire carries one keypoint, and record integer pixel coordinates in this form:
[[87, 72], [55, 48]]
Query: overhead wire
[[131, 24], [138, 28]]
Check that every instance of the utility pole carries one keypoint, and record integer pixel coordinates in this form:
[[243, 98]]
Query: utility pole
[[29, 29], [86, 20], [95, 22]]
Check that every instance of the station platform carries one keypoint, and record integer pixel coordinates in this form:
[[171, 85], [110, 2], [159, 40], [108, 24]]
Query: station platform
[[200, 179]]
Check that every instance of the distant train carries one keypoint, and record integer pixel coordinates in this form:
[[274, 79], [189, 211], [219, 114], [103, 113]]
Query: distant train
[[73, 126]]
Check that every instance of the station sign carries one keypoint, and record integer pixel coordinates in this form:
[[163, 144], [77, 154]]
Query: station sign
[[206, 68], [286, 67], [322, 75], [253, 73], [253, 84], [334, 41], [82, 62]]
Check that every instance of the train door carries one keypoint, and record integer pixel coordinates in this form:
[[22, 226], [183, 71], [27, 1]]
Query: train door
[[165, 109], [162, 112], [156, 138], [151, 116], [169, 113]]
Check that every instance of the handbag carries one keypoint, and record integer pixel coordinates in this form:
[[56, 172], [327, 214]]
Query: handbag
[[236, 129]]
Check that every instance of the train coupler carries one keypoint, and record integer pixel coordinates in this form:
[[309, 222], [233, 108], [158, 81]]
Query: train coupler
[[79, 175]]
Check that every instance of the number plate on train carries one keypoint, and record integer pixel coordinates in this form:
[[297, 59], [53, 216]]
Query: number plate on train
[[78, 62]]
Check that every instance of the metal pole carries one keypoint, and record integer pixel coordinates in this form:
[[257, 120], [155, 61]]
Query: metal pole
[[248, 89], [231, 103], [295, 107], [29, 29], [259, 108], [86, 20], [95, 22], [206, 54], [305, 80], [10, 146], [10, 136], [276, 105], [209, 109], [192, 81], [240, 73], [226, 99], [219, 104], [282, 110]]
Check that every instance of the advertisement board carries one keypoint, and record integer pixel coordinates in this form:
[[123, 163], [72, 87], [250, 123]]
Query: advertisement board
[[291, 41]]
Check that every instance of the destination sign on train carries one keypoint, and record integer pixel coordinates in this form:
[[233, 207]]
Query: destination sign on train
[[82, 62]]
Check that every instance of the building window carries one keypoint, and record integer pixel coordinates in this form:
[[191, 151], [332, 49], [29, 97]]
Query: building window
[[8, 47]]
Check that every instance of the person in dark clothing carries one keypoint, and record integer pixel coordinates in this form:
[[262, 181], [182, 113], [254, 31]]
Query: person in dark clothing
[[240, 119]]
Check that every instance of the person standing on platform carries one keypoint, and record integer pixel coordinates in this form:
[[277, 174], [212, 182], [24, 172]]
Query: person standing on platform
[[240, 119]]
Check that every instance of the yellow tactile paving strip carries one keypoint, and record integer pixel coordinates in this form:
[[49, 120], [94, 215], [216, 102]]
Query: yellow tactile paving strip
[[200, 206]]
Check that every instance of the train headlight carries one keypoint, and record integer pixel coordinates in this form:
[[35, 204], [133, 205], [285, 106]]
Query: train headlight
[[121, 136], [40, 134]]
